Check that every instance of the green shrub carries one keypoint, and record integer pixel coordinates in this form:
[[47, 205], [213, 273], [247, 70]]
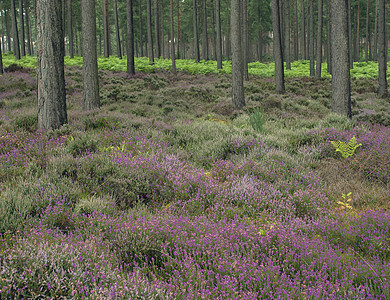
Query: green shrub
[[83, 145], [28, 123], [257, 119]]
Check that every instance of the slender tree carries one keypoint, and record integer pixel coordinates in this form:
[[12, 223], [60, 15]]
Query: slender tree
[[277, 46], [106, 29], [90, 67], [219, 34], [172, 40], [141, 41], [118, 39], [319, 40], [205, 46], [22, 32], [245, 38], [287, 34], [328, 38], [15, 34], [311, 38], [70, 28], [350, 34], [237, 57], [303, 32], [213, 36], [367, 31], [150, 34], [341, 85], [28, 32], [196, 33], [382, 49], [130, 38], [375, 50], [157, 28], [50, 65], [7, 29], [1, 61]]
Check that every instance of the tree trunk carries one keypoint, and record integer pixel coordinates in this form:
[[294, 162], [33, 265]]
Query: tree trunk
[[244, 40], [7, 29], [367, 30], [90, 67], [178, 29], [150, 34], [173, 41], [22, 34], [205, 41], [70, 29], [311, 39], [287, 34], [141, 43], [157, 29], [350, 34], [28, 32], [296, 29], [341, 86], [237, 57], [227, 40], [319, 40], [130, 38], [382, 49], [50, 65], [328, 38], [375, 51], [213, 39], [1, 61], [15, 33], [277, 46], [2, 30], [308, 30], [118, 39], [106, 29], [357, 46], [219, 34], [196, 34], [303, 32]]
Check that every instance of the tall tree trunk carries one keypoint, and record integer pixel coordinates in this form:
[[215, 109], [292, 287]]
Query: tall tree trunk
[[1, 61], [319, 40], [70, 29], [350, 34], [90, 67], [157, 29], [118, 39], [237, 57], [278, 49], [130, 38], [296, 29], [173, 41], [219, 34], [311, 38], [22, 34], [308, 30], [7, 29], [287, 34], [15, 33], [50, 65], [205, 41], [357, 46], [227, 39], [213, 38], [341, 86], [328, 38], [150, 34], [367, 30], [106, 29], [375, 50], [141, 43], [196, 34], [382, 49], [303, 31], [178, 29], [28, 32], [245, 42]]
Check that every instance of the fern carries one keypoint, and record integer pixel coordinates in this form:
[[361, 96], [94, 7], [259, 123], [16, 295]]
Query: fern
[[346, 149]]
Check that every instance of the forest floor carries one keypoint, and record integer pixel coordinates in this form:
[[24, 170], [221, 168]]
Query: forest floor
[[167, 192]]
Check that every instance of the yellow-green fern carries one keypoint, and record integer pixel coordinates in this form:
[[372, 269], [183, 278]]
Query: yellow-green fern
[[346, 149]]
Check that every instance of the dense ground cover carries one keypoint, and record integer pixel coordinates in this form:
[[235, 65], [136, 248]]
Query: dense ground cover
[[166, 192]]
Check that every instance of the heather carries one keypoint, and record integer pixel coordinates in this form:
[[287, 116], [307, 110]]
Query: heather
[[167, 192]]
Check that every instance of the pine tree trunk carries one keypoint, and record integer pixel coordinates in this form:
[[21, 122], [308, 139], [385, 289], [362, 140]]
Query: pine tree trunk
[[303, 31], [7, 29], [150, 34], [287, 34], [278, 49], [311, 38], [28, 33], [157, 29], [22, 33], [357, 46], [50, 65], [196, 34], [227, 39], [319, 40], [178, 29], [172, 41], [1, 61], [341, 86], [2, 31], [238, 97], [106, 29], [130, 38], [328, 38], [245, 42], [367, 30], [205, 46], [141, 43], [350, 35], [15, 33], [213, 37], [296, 29], [118, 39], [382, 49], [90, 67], [219, 34], [70, 29], [375, 51]]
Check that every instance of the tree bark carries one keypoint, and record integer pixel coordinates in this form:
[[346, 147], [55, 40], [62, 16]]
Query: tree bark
[[172, 41], [7, 29], [150, 34], [227, 40], [367, 30], [350, 35], [28, 32], [1, 61], [213, 36], [303, 33], [237, 57], [311, 38], [178, 29], [50, 65], [328, 38], [196, 34], [287, 34], [382, 49], [341, 86], [296, 29], [15, 33], [357, 46], [375, 50], [22, 32], [245, 39], [106, 29], [219, 34], [130, 38], [278, 50], [319, 40], [141, 43], [90, 67], [70, 29], [205, 42], [118, 39], [157, 29]]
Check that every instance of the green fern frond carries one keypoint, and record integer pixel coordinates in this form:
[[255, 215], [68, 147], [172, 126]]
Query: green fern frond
[[346, 149]]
